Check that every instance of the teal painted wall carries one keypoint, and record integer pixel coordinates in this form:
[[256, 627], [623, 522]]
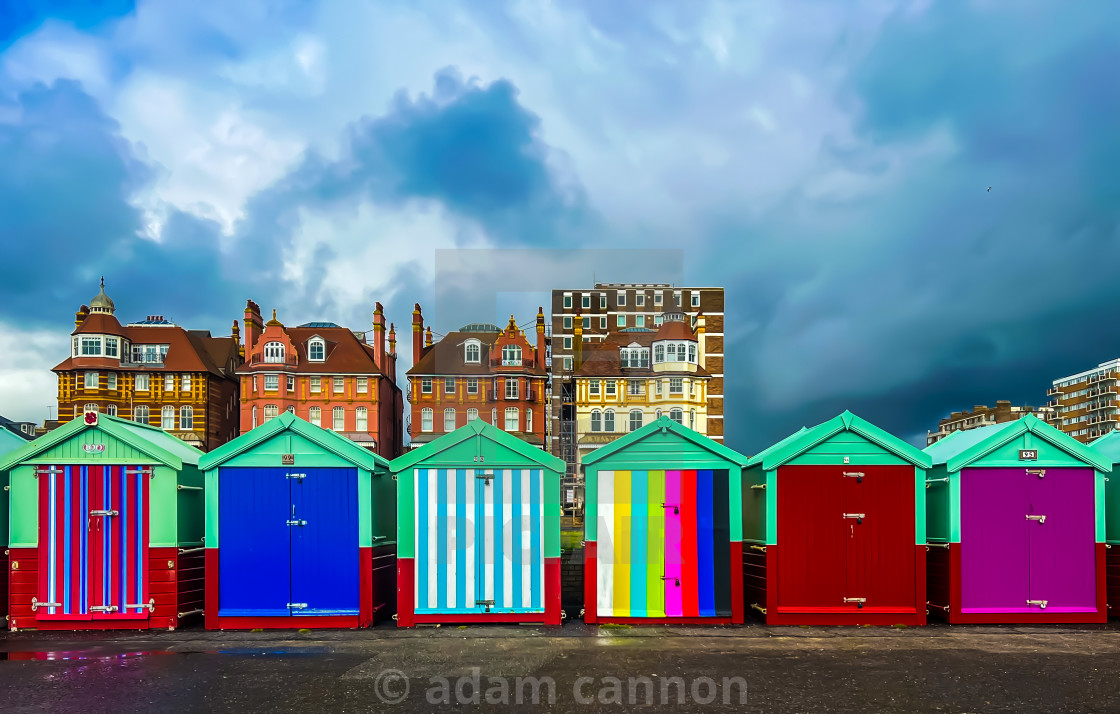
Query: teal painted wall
[[847, 443], [938, 509], [754, 504]]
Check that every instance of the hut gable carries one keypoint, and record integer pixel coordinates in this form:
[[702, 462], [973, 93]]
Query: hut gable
[[288, 434], [1000, 444], [477, 438], [664, 441], [831, 441], [123, 442]]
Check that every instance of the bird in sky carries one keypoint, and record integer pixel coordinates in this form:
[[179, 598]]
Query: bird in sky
[[989, 189]]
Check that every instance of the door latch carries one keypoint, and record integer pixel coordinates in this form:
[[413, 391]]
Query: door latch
[[150, 607], [103, 513], [676, 509], [676, 581], [297, 522], [857, 475], [1040, 603], [858, 516], [297, 477], [35, 604], [102, 608], [485, 603], [857, 600], [297, 605], [1040, 519], [1041, 473], [486, 476]]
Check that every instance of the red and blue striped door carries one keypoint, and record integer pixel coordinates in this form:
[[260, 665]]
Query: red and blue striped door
[[93, 543]]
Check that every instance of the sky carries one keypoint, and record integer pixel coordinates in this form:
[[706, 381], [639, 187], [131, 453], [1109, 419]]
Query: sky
[[914, 206]]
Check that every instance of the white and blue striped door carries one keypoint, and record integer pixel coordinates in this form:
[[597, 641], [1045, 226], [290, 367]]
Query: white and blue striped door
[[479, 541]]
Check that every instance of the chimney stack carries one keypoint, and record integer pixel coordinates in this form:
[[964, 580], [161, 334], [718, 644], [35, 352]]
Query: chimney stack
[[540, 338], [428, 336], [700, 346], [577, 347], [236, 332], [80, 316], [254, 325], [379, 337], [391, 369], [417, 334]]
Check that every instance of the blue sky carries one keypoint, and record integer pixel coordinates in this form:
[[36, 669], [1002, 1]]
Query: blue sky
[[828, 163]]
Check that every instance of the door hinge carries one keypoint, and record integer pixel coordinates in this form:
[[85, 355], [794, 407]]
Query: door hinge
[[102, 608], [857, 475], [297, 605], [297, 522], [103, 513], [1040, 519], [858, 516], [297, 477], [857, 600], [35, 604], [150, 607], [1040, 603]]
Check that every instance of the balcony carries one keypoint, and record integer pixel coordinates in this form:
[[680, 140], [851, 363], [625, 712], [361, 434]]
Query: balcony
[[1052, 391], [531, 395], [291, 360]]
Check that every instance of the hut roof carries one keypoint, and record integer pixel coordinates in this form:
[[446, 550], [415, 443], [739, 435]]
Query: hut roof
[[328, 440], [974, 444], [472, 429], [662, 424], [799, 442]]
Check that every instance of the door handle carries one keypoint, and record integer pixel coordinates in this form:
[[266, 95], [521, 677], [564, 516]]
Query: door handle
[[102, 608], [151, 606], [857, 475], [858, 516], [1040, 519], [677, 581], [103, 513], [1040, 603], [676, 509], [857, 600], [297, 523]]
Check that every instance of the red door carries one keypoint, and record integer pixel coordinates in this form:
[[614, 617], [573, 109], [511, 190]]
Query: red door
[[846, 538], [93, 543]]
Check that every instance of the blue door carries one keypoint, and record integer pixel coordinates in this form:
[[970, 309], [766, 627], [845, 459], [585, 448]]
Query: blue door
[[254, 558], [288, 542], [325, 563]]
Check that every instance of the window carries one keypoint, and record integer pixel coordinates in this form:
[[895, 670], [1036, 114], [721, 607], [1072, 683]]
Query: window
[[315, 416], [185, 382], [111, 349], [596, 421], [449, 420], [271, 411], [112, 377], [316, 384], [91, 408], [494, 417], [316, 350], [621, 321], [567, 343], [567, 300], [186, 418], [472, 385], [271, 382], [593, 387], [696, 299], [658, 353], [253, 425], [169, 383], [528, 420], [692, 353], [143, 382], [426, 416], [658, 414], [634, 387], [254, 384], [290, 383], [291, 410], [167, 418], [76, 348], [91, 346], [511, 388], [608, 420], [677, 298], [671, 352], [472, 414], [473, 352], [587, 323], [512, 417], [603, 322], [676, 415], [511, 356], [567, 322], [657, 320], [639, 321], [635, 420], [449, 385], [338, 423], [274, 352], [91, 380], [339, 385], [361, 419], [657, 299], [586, 301], [362, 385], [611, 388], [676, 385], [621, 298], [425, 385], [692, 417], [640, 299], [140, 414], [567, 364], [658, 383]]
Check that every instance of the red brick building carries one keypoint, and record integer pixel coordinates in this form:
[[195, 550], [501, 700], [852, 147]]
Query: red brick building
[[478, 372], [152, 371], [326, 374]]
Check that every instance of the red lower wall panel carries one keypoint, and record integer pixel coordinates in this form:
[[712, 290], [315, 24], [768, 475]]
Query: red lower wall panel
[[957, 617], [1112, 579], [406, 601], [175, 584], [754, 578], [4, 586], [406, 597], [590, 581]]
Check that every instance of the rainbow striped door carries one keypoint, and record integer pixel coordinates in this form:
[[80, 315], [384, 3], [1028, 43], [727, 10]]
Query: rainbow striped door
[[663, 544], [93, 543]]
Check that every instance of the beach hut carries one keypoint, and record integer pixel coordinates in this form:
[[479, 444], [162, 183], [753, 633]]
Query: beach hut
[[1109, 447], [834, 527], [1016, 518], [300, 530], [663, 529], [106, 528], [478, 530], [9, 442]]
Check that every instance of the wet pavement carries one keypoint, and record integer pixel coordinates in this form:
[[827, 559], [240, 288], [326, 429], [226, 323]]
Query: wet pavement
[[577, 668]]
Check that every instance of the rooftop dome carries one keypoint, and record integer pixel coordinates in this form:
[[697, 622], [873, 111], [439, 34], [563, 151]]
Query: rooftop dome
[[480, 327], [102, 303]]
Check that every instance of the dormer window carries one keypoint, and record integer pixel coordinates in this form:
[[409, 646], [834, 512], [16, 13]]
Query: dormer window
[[91, 346], [511, 356], [316, 349], [472, 352], [274, 352]]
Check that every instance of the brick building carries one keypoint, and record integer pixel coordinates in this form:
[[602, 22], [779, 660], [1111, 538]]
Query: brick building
[[328, 375], [1085, 404], [479, 371], [982, 415]]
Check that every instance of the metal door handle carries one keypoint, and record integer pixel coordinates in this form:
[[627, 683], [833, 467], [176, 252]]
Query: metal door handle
[[102, 608], [297, 523], [298, 605], [677, 581], [103, 513], [858, 516], [857, 475], [1041, 473], [150, 607], [1040, 603], [857, 600], [1040, 519], [676, 509], [35, 604]]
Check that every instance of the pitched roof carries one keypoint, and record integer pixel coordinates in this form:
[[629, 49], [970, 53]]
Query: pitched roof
[[328, 440], [150, 440], [447, 357], [675, 330], [799, 442], [12, 427], [100, 323], [477, 428], [187, 351], [602, 359], [343, 352], [971, 446], [10, 441], [665, 423], [1108, 445]]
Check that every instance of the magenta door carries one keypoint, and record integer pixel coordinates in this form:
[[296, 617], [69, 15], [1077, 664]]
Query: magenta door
[[1062, 547], [674, 601], [995, 545]]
